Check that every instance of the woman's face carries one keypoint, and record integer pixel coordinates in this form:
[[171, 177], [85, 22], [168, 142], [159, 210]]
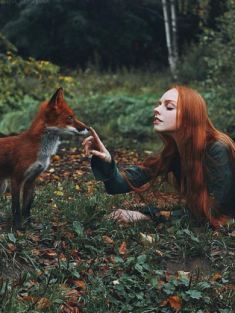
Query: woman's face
[[165, 112]]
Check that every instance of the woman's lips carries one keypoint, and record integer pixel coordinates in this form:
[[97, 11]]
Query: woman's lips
[[157, 120]]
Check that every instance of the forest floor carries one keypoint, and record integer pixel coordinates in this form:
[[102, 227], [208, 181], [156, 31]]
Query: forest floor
[[74, 260]]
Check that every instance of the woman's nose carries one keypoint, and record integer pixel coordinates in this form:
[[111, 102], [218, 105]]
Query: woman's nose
[[156, 110]]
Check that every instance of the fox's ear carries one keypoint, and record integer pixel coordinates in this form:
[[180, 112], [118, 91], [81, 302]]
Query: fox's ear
[[57, 98]]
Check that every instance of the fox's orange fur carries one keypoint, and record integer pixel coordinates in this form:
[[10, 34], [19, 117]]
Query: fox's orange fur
[[25, 156]]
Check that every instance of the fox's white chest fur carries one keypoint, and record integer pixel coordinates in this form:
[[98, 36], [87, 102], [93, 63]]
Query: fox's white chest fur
[[49, 146]]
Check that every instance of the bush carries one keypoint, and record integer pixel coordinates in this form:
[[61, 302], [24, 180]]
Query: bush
[[120, 115], [221, 71], [211, 65], [23, 85]]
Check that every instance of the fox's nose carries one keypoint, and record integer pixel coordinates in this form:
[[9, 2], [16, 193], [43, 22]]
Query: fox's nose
[[81, 126]]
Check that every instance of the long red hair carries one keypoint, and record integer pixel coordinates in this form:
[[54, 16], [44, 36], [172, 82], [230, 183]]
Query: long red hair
[[195, 132]]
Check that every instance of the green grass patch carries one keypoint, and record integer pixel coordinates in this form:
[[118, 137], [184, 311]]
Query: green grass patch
[[76, 259]]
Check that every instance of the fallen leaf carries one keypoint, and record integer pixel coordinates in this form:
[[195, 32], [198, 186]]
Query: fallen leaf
[[79, 173], [58, 193], [27, 298], [216, 276], [43, 303], [11, 247], [232, 234], [182, 274], [174, 302], [107, 239], [166, 214], [158, 252], [66, 308], [50, 253], [77, 187], [79, 283], [55, 158], [122, 249], [147, 239], [35, 251], [34, 237]]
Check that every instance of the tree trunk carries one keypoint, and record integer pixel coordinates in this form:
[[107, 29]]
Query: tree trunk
[[174, 31], [169, 15]]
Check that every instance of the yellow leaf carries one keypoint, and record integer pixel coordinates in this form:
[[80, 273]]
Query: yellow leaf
[[77, 187], [58, 193]]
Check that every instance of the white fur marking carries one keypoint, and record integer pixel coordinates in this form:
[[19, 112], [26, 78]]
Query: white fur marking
[[83, 132], [72, 129]]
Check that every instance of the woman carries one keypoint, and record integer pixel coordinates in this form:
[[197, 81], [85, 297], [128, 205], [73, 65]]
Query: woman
[[201, 158]]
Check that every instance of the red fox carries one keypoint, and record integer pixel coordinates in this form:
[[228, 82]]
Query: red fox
[[23, 157]]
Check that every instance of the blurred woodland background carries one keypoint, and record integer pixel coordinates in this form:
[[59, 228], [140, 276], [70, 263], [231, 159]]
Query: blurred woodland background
[[114, 58]]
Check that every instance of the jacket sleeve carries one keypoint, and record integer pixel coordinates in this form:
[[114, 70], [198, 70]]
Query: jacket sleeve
[[220, 177], [113, 180]]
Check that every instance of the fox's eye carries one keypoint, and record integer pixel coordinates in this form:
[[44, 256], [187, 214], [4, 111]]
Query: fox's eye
[[70, 118]]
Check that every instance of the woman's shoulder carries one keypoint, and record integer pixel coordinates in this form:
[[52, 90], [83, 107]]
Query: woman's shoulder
[[219, 155], [217, 149]]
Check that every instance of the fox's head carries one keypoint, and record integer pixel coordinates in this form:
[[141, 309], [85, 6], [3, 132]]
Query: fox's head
[[60, 117]]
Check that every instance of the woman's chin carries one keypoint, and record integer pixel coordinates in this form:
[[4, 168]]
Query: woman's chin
[[158, 128]]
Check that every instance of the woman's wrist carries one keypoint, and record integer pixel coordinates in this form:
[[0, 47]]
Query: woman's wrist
[[108, 158]]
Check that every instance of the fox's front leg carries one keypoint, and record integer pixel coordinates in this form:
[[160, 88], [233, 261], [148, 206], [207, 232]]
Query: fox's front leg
[[28, 196], [15, 206]]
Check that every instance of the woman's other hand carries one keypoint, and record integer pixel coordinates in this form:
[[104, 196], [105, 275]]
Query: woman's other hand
[[94, 146], [127, 216]]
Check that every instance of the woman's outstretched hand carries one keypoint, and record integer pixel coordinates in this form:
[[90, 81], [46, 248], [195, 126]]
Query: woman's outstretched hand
[[94, 146]]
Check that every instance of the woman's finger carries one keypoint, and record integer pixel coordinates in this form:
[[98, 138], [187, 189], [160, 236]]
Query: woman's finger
[[98, 153], [88, 139], [87, 149], [97, 138]]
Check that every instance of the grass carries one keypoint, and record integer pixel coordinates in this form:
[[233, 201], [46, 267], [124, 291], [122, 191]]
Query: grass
[[129, 82], [75, 260]]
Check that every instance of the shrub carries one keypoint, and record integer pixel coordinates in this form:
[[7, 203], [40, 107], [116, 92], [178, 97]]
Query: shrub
[[120, 115]]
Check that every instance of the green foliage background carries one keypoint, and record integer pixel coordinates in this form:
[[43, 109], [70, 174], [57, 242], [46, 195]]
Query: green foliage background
[[120, 103]]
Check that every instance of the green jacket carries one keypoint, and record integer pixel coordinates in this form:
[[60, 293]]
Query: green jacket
[[220, 176]]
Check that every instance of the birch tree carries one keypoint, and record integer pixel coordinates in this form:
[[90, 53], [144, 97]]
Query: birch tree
[[169, 15]]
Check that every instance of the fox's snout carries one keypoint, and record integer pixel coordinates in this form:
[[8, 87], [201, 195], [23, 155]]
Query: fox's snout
[[81, 126]]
